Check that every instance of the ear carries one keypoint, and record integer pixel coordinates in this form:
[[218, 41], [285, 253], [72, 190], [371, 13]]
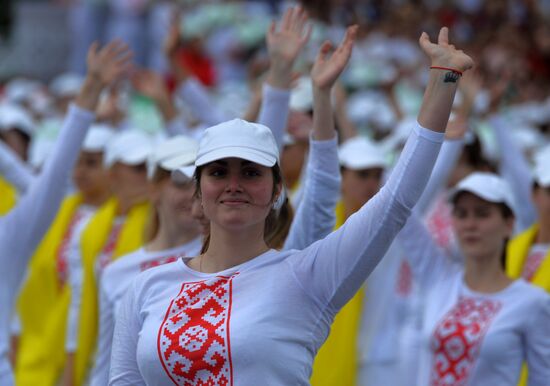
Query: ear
[[280, 198]]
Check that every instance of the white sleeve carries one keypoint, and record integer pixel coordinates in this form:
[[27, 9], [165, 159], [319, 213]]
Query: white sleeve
[[124, 367], [75, 283], [203, 108], [100, 373], [538, 346], [516, 171], [23, 227], [274, 111], [14, 170], [334, 268], [427, 260], [450, 152], [315, 217]]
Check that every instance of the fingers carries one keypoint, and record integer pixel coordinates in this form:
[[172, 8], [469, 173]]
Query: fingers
[[424, 40], [326, 47], [443, 38], [307, 35], [287, 18]]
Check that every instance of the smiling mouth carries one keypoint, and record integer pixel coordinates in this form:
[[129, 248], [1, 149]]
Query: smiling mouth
[[233, 202]]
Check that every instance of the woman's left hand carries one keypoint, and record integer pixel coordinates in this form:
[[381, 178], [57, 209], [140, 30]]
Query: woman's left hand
[[327, 68]]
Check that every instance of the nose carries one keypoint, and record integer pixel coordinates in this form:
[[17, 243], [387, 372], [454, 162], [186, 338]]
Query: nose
[[233, 183]]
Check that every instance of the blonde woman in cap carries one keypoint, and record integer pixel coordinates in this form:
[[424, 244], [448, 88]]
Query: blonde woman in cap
[[241, 313], [46, 292], [18, 235], [479, 325], [116, 228], [172, 233]]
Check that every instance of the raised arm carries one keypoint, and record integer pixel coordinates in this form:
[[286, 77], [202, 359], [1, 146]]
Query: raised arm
[[514, 167], [14, 170], [25, 225], [285, 42], [315, 217], [362, 241]]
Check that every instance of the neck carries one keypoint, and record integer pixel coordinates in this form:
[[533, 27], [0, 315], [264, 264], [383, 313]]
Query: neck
[[95, 199], [543, 234], [172, 235], [349, 209], [485, 274], [228, 249]]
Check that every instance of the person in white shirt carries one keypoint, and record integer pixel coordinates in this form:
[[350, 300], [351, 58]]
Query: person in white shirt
[[172, 233], [18, 235], [241, 313], [479, 325]]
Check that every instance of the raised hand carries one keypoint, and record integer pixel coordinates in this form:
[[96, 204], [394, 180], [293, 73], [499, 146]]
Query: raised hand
[[284, 44], [108, 64], [456, 128], [444, 54], [327, 68], [150, 84]]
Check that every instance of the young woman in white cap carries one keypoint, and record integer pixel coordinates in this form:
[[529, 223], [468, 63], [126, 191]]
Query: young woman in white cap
[[172, 233], [46, 290], [241, 313], [479, 326], [18, 235]]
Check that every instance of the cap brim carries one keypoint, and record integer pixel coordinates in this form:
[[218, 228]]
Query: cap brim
[[136, 157], [183, 174], [364, 165], [248, 154], [177, 162]]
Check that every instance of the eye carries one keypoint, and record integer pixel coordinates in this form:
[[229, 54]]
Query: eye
[[459, 213], [251, 172], [216, 171]]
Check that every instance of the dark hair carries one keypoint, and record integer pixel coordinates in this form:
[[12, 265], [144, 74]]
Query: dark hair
[[277, 223]]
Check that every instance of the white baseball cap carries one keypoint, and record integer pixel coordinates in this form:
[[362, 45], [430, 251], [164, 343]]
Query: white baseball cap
[[66, 85], [128, 147], [97, 138], [241, 139], [13, 116], [301, 96], [173, 153], [360, 153], [487, 186]]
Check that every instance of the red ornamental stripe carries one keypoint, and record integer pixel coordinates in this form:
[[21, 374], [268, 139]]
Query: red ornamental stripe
[[193, 341], [457, 340]]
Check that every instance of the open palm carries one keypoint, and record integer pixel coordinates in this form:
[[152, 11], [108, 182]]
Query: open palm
[[286, 42], [109, 63], [444, 54], [327, 68]]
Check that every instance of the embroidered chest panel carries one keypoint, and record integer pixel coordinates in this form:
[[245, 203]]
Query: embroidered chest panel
[[193, 340], [457, 339]]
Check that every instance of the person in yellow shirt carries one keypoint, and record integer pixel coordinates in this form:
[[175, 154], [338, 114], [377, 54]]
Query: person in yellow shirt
[[362, 168]]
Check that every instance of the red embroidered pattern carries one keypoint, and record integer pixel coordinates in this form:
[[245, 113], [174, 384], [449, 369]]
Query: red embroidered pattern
[[155, 263], [106, 254], [62, 264], [532, 264], [439, 223], [193, 340], [404, 279], [457, 339]]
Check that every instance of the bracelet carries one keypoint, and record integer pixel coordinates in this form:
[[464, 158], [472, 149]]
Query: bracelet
[[446, 68]]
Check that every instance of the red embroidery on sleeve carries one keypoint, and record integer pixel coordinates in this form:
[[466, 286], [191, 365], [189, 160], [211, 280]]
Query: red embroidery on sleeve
[[160, 261], [457, 339], [193, 340]]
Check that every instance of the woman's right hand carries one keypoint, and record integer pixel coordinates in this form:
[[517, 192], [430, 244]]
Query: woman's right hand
[[110, 63]]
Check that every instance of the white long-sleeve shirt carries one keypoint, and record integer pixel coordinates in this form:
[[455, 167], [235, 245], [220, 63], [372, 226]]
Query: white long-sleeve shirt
[[115, 280], [14, 170], [22, 229], [316, 216], [470, 338], [515, 169], [261, 322]]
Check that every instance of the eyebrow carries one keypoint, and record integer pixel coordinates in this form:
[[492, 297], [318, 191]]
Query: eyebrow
[[224, 163]]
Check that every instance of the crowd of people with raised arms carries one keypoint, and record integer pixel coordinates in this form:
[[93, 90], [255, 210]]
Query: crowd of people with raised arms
[[284, 202]]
